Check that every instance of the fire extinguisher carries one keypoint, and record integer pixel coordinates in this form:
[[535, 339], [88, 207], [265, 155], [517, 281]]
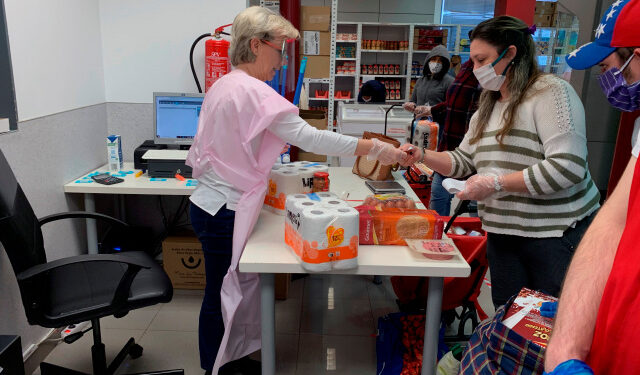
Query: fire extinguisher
[[216, 58]]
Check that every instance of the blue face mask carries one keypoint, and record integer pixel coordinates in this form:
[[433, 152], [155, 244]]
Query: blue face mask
[[620, 94]]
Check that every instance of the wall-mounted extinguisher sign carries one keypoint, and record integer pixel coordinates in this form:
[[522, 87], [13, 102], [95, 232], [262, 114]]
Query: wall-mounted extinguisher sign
[[216, 58]]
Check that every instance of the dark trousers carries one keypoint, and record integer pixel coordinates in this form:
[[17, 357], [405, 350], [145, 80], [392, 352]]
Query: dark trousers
[[216, 235], [536, 263]]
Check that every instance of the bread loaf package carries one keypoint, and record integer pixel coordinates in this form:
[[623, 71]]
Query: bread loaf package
[[392, 225]]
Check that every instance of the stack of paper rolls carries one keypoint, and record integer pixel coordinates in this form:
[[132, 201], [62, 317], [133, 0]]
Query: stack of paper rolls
[[322, 231]]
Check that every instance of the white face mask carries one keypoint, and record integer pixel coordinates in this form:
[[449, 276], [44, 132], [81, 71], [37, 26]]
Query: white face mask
[[487, 76], [435, 67]]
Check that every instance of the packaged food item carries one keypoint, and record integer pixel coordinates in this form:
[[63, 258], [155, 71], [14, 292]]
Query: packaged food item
[[320, 181], [392, 200], [433, 249], [392, 225], [524, 316]]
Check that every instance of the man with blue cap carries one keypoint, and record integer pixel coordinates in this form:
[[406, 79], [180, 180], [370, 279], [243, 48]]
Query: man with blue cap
[[597, 328]]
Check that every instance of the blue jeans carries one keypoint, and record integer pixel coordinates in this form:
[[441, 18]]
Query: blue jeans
[[216, 235], [440, 200]]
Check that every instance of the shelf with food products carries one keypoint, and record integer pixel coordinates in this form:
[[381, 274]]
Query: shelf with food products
[[345, 59], [385, 51], [386, 44]]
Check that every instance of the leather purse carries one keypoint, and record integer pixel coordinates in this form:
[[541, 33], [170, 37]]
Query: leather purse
[[373, 169]]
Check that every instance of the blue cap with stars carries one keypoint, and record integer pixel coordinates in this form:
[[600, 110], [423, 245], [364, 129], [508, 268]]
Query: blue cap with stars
[[592, 53]]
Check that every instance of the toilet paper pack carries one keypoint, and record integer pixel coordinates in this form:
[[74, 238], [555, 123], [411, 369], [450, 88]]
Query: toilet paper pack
[[322, 231], [290, 178], [425, 134]]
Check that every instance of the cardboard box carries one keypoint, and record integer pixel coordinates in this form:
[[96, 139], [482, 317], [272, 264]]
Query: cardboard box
[[546, 7], [114, 153], [183, 261], [315, 18], [561, 19], [317, 67], [543, 20], [317, 119], [316, 43], [310, 156]]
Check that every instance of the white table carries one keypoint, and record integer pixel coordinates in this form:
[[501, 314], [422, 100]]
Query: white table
[[267, 254], [132, 185]]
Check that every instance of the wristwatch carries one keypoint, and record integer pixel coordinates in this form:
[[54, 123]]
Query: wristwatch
[[496, 184]]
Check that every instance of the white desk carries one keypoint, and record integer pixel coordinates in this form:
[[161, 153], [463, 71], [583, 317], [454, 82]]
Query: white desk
[[267, 254], [132, 185]]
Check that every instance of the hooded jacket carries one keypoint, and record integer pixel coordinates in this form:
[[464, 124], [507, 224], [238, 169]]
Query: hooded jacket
[[375, 90], [431, 89]]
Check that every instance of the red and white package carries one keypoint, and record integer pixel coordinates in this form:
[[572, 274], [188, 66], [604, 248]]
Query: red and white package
[[524, 316], [433, 249]]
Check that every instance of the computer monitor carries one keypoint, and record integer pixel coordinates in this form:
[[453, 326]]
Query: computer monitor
[[175, 117]]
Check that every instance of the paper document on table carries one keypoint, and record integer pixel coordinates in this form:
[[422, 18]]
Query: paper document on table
[[453, 186]]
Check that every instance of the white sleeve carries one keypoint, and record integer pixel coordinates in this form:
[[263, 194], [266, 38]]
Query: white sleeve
[[634, 139], [294, 130]]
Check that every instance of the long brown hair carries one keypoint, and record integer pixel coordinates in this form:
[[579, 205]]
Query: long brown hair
[[502, 32]]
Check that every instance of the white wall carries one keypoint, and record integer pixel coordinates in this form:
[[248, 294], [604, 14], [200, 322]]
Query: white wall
[[146, 44], [56, 55]]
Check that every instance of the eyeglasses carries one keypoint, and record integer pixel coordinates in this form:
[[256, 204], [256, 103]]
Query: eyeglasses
[[282, 50]]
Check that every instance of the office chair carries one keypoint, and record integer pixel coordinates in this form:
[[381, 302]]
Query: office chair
[[78, 288]]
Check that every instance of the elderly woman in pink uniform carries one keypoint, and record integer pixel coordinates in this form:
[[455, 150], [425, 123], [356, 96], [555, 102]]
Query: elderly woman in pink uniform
[[243, 126]]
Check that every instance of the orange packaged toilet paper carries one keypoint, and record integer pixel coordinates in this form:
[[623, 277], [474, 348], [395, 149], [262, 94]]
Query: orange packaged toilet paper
[[322, 231]]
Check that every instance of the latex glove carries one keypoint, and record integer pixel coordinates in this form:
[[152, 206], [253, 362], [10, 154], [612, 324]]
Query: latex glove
[[549, 309], [481, 187], [386, 153], [422, 111], [571, 367], [409, 106], [414, 154]]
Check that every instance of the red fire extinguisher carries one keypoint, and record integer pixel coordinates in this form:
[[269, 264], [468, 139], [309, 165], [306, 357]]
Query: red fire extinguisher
[[216, 58]]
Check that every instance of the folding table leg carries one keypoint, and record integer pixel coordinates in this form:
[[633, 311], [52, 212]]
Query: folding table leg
[[268, 307], [92, 231], [432, 326]]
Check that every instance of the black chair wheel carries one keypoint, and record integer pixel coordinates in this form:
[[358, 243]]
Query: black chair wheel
[[135, 351]]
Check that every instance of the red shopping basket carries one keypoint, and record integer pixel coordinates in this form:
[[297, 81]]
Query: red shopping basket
[[412, 291]]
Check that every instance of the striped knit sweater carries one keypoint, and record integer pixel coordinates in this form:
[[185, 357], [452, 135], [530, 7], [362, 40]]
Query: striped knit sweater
[[548, 144]]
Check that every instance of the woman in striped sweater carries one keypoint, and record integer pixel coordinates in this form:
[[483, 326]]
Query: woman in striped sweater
[[527, 151]]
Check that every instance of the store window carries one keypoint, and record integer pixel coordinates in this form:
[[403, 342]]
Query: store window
[[466, 12], [8, 113]]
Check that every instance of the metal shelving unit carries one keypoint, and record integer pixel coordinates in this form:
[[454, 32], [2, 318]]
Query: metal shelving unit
[[338, 81]]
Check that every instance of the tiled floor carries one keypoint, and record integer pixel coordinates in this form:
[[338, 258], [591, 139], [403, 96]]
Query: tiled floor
[[326, 326]]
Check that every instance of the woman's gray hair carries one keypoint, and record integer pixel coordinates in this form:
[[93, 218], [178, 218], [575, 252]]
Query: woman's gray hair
[[256, 22]]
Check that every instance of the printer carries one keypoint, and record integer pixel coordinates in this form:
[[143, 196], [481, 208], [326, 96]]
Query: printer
[[138, 162], [167, 163]]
